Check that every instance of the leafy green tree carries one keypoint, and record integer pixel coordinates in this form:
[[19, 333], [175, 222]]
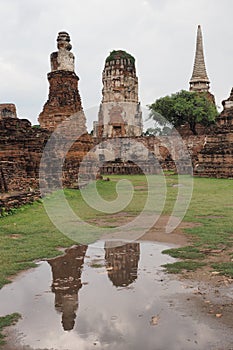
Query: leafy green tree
[[184, 107]]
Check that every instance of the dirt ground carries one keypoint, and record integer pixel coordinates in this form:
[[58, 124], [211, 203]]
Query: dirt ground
[[157, 232]]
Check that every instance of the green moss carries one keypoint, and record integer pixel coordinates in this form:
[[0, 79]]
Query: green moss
[[120, 54]]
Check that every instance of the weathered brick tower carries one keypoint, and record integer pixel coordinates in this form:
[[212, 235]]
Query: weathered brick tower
[[64, 99], [120, 112], [199, 81]]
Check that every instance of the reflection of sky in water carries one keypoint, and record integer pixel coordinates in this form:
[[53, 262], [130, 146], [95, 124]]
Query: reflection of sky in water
[[108, 317]]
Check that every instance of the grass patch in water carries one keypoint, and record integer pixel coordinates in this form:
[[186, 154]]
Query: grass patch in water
[[188, 252], [180, 266]]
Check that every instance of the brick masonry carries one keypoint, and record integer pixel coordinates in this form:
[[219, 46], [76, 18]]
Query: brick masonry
[[216, 157]]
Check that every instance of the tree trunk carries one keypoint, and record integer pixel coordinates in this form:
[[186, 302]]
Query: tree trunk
[[192, 126]]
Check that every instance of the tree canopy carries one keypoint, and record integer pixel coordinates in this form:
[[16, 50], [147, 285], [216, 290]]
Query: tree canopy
[[183, 107]]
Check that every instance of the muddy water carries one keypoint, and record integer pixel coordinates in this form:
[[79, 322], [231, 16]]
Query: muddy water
[[102, 297]]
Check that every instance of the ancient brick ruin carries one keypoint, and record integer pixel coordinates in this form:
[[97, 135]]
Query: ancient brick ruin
[[120, 113], [216, 157], [22, 146], [119, 120], [64, 99]]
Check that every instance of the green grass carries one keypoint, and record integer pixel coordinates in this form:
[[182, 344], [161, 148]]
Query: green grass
[[97, 266], [26, 236], [180, 266], [29, 235], [7, 321], [224, 268], [212, 207], [188, 252]]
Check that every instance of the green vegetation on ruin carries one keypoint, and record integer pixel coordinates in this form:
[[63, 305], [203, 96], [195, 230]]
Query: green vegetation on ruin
[[119, 54], [28, 235]]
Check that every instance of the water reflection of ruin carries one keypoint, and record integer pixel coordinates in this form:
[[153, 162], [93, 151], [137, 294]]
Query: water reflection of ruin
[[66, 272], [122, 262]]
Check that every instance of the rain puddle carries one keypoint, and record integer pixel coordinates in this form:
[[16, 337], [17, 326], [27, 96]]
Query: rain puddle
[[105, 297]]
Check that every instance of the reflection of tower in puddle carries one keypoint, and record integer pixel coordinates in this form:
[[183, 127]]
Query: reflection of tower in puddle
[[66, 272], [122, 262]]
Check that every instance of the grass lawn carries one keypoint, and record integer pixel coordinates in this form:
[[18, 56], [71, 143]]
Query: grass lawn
[[212, 207], [28, 234]]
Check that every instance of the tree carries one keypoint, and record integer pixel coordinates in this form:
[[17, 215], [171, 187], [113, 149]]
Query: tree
[[184, 107]]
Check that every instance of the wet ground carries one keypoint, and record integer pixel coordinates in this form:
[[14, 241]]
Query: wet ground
[[104, 296]]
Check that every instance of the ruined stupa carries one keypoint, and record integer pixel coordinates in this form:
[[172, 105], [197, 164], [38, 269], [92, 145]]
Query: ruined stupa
[[64, 99], [120, 112], [199, 81]]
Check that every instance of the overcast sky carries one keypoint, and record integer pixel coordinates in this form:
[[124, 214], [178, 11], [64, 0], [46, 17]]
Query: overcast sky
[[160, 34]]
